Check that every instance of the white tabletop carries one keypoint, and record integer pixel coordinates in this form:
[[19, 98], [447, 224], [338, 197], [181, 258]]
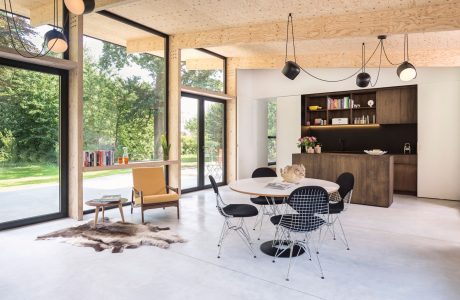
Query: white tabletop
[[258, 186]]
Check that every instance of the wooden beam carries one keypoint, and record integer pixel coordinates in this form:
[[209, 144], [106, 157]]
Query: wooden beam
[[42, 15], [46, 61], [433, 17], [434, 58], [148, 44], [174, 116], [207, 93], [213, 63], [231, 121], [76, 118]]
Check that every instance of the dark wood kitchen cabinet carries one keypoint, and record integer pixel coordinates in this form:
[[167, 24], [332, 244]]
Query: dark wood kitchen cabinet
[[405, 174], [397, 105]]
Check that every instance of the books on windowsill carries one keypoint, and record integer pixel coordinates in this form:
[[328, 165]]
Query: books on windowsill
[[98, 158]]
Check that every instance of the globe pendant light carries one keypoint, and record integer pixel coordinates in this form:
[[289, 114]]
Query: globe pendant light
[[79, 7], [406, 71], [363, 79], [56, 41], [291, 70]]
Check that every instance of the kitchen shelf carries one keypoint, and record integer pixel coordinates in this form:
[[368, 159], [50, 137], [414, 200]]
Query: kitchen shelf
[[343, 125], [358, 108], [131, 165]]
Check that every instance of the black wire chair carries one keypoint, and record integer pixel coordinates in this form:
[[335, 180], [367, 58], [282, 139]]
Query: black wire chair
[[339, 202], [306, 212], [266, 205], [234, 219]]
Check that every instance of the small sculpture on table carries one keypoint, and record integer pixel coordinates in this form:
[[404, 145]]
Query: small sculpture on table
[[293, 173]]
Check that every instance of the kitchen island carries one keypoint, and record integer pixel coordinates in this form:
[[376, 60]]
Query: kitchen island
[[373, 174]]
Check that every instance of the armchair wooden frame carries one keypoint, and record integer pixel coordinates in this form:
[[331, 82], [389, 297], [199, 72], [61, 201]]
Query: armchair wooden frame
[[146, 206]]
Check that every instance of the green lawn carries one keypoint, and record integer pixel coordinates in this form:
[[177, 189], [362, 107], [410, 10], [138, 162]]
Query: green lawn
[[24, 174]]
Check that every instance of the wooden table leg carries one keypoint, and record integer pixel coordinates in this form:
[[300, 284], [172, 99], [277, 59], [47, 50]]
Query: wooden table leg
[[121, 212], [96, 215], [103, 215]]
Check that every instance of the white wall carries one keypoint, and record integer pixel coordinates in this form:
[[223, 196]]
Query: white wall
[[287, 113], [438, 119]]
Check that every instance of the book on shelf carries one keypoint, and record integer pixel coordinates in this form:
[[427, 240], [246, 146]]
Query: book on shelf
[[339, 103], [98, 158]]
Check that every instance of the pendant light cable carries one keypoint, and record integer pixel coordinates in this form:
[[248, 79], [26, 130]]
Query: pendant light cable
[[290, 22]]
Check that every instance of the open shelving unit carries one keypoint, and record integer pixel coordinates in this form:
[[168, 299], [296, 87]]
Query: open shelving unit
[[360, 97]]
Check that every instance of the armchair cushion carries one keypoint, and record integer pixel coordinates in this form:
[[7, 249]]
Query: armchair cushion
[[151, 199]]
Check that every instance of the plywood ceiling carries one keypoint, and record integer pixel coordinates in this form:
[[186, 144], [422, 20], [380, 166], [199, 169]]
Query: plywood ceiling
[[181, 16]]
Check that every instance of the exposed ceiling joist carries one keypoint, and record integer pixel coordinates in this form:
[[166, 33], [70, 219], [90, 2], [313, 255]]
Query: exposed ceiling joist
[[428, 18], [433, 58], [204, 64], [43, 14]]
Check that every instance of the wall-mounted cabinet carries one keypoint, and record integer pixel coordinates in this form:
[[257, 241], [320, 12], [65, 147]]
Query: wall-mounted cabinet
[[397, 105]]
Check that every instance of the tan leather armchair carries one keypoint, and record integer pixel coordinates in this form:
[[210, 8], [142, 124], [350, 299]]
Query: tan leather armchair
[[150, 190]]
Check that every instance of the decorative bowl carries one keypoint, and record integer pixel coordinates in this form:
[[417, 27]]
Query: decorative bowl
[[314, 107], [375, 152]]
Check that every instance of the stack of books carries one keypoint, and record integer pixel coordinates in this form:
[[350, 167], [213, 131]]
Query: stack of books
[[98, 158], [342, 103], [108, 199]]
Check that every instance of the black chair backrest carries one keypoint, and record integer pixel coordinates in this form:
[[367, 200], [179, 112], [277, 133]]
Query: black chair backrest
[[214, 184], [308, 202], [346, 182], [264, 172]]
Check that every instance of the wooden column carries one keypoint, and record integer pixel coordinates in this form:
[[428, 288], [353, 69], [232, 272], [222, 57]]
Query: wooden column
[[231, 121], [174, 112], [75, 118]]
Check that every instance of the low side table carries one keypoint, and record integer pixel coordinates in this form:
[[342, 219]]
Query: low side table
[[103, 205]]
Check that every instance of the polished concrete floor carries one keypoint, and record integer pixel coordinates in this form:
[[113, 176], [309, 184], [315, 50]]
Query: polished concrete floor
[[408, 251]]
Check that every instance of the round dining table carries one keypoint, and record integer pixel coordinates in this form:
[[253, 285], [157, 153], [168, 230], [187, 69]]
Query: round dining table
[[271, 187]]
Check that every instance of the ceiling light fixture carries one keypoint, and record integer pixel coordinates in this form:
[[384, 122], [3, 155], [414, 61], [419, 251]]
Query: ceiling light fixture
[[79, 7], [363, 79], [406, 71], [55, 41]]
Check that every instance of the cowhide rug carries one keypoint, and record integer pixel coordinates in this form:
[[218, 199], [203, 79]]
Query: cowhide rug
[[116, 236]]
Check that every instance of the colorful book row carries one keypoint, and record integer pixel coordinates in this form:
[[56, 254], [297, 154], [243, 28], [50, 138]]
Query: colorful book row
[[98, 158], [342, 103]]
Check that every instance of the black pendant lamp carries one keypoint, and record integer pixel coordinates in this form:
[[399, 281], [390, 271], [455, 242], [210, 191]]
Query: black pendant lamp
[[363, 79], [79, 7], [291, 68], [56, 41], [406, 71]]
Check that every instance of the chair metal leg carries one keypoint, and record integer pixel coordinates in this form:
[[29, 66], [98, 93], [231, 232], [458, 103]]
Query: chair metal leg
[[290, 259], [343, 234]]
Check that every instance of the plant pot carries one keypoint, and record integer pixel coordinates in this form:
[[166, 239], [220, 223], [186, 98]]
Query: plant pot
[[318, 149], [310, 150]]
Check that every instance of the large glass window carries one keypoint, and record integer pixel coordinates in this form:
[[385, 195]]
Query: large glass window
[[30, 148], [203, 70], [124, 99], [271, 131]]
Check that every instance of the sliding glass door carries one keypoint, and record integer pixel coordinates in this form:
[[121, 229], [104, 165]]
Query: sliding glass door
[[33, 144], [203, 141]]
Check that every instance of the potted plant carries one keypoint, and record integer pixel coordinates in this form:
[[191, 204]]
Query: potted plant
[[165, 146], [307, 143]]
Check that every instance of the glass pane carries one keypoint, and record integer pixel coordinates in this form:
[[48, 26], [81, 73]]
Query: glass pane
[[189, 142], [26, 37], [214, 133], [271, 131], [108, 182], [202, 70], [124, 91], [29, 144]]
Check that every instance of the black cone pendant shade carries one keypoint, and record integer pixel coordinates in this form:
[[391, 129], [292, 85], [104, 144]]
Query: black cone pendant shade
[[291, 70], [363, 79], [406, 71], [79, 7], [56, 41]]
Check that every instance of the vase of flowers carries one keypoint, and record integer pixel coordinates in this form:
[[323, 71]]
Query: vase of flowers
[[307, 143]]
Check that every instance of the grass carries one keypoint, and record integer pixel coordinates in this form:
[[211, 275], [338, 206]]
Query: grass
[[12, 175]]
